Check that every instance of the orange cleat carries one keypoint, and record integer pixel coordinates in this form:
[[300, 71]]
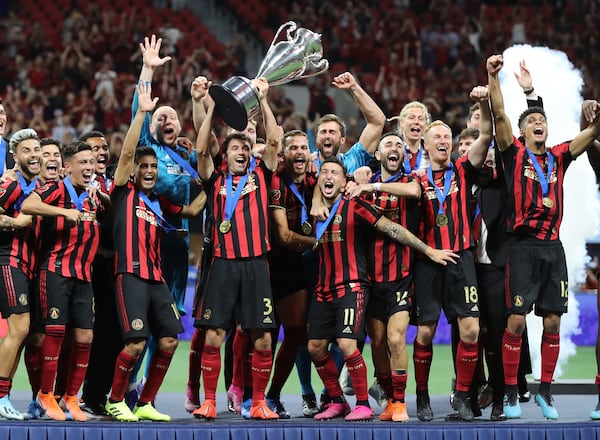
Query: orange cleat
[[386, 414], [71, 404], [207, 411], [261, 411], [400, 414], [48, 402]]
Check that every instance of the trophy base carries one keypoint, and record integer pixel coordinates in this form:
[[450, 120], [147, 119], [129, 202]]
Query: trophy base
[[236, 101]]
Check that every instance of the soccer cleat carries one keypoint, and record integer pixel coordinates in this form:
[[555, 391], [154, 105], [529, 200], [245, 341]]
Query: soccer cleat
[[400, 413], [235, 395], [245, 409], [50, 406], [388, 411], [595, 415], [361, 413], [95, 409], [511, 408], [70, 404], [484, 396], [148, 412], [497, 414], [524, 397], [190, 405], [346, 382], [261, 411], [207, 411], [333, 410], [378, 393], [8, 411], [120, 411], [462, 405], [309, 405], [424, 412], [276, 406], [34, 411], [544, 401]]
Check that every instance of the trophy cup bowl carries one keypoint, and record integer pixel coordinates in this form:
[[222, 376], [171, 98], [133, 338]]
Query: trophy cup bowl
[[298, 57]]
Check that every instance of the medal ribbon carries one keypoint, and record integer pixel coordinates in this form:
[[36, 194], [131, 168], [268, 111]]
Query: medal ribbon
[[154, 206], [407, 152], [447, 181], [182, 162], [76, 199], [393, 178], [27, 189], [2, 154], [293, 188], [322, 226], [232, 199], [538, 169]]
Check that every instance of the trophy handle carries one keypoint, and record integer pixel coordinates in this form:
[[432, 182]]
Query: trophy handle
[[292, 27], [312, 69]]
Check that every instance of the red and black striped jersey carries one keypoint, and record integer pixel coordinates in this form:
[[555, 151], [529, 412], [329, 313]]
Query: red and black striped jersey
[[282, 197], [137, 232], [69, 250], [249, 233], [455, 232], [17, 248], [527, 214], [389, 260], [343, 250]]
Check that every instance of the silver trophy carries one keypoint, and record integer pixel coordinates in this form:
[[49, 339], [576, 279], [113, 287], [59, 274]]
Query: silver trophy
[[298, 57]]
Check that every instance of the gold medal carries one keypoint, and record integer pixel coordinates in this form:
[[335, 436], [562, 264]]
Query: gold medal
[[225, 226], [181, 233], [306, 228], [547, 202], [441, 220]]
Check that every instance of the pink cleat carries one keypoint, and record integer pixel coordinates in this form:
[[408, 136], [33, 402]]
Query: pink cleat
[[333, 410], [235, 395], [359, 414]]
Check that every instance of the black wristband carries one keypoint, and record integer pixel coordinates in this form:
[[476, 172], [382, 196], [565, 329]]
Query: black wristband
[[527, 92]]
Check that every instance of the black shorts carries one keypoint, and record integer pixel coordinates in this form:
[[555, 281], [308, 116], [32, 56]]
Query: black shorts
[[237, 288], [387, 299], [35, 312], [15, 291], [452, 288], [145, 308], [66, 301], [536, 273], [341, 318], [287, 275]]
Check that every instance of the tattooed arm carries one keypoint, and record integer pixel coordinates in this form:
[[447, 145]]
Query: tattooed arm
[[8, 223], [404, 236]]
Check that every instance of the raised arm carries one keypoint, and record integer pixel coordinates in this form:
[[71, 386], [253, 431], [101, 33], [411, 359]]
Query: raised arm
[[198, 91], [373, 115], [146, 104], [478, 151], [150, 52], [272, 129], [404, 236], [206, 165], [587, 137], [504, 135]]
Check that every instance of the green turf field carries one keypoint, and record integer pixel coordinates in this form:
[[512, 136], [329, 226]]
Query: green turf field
[[580, 366]]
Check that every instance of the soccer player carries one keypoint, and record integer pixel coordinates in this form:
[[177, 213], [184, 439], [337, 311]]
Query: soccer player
[[70, 236], [536, 268], [337, 308], [17, 259]]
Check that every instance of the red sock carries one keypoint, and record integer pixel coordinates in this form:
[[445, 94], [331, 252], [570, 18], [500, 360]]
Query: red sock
[[4, 386], [328, 373], [79, 360], [240, 342], [156, 374], [422, 356], [399, 385], [357, 369], [194, 367], [262, 360], [598, 383], [62, 371], [466, 362], [211, 366], [286, 356], [385, 381], [50, 352], [33, 364], [511, 352], [550, 350], [247, 357], [123, 367]]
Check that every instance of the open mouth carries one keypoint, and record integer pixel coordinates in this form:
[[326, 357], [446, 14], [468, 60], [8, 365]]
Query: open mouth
[[538, 131], [393, 158], [416, 131], [168, 130], [148, 178]]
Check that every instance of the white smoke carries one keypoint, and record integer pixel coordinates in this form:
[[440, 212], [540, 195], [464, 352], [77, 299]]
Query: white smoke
[[559, 84]]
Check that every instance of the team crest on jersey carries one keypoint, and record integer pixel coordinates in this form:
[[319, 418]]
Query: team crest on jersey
[[88, 216], [275, 195], [431, 193], [23, 299], [137, 324], [207, 314], [530, 172], [45, 186], [337, 219], [518, 301], [54, 313], [145, 214]]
